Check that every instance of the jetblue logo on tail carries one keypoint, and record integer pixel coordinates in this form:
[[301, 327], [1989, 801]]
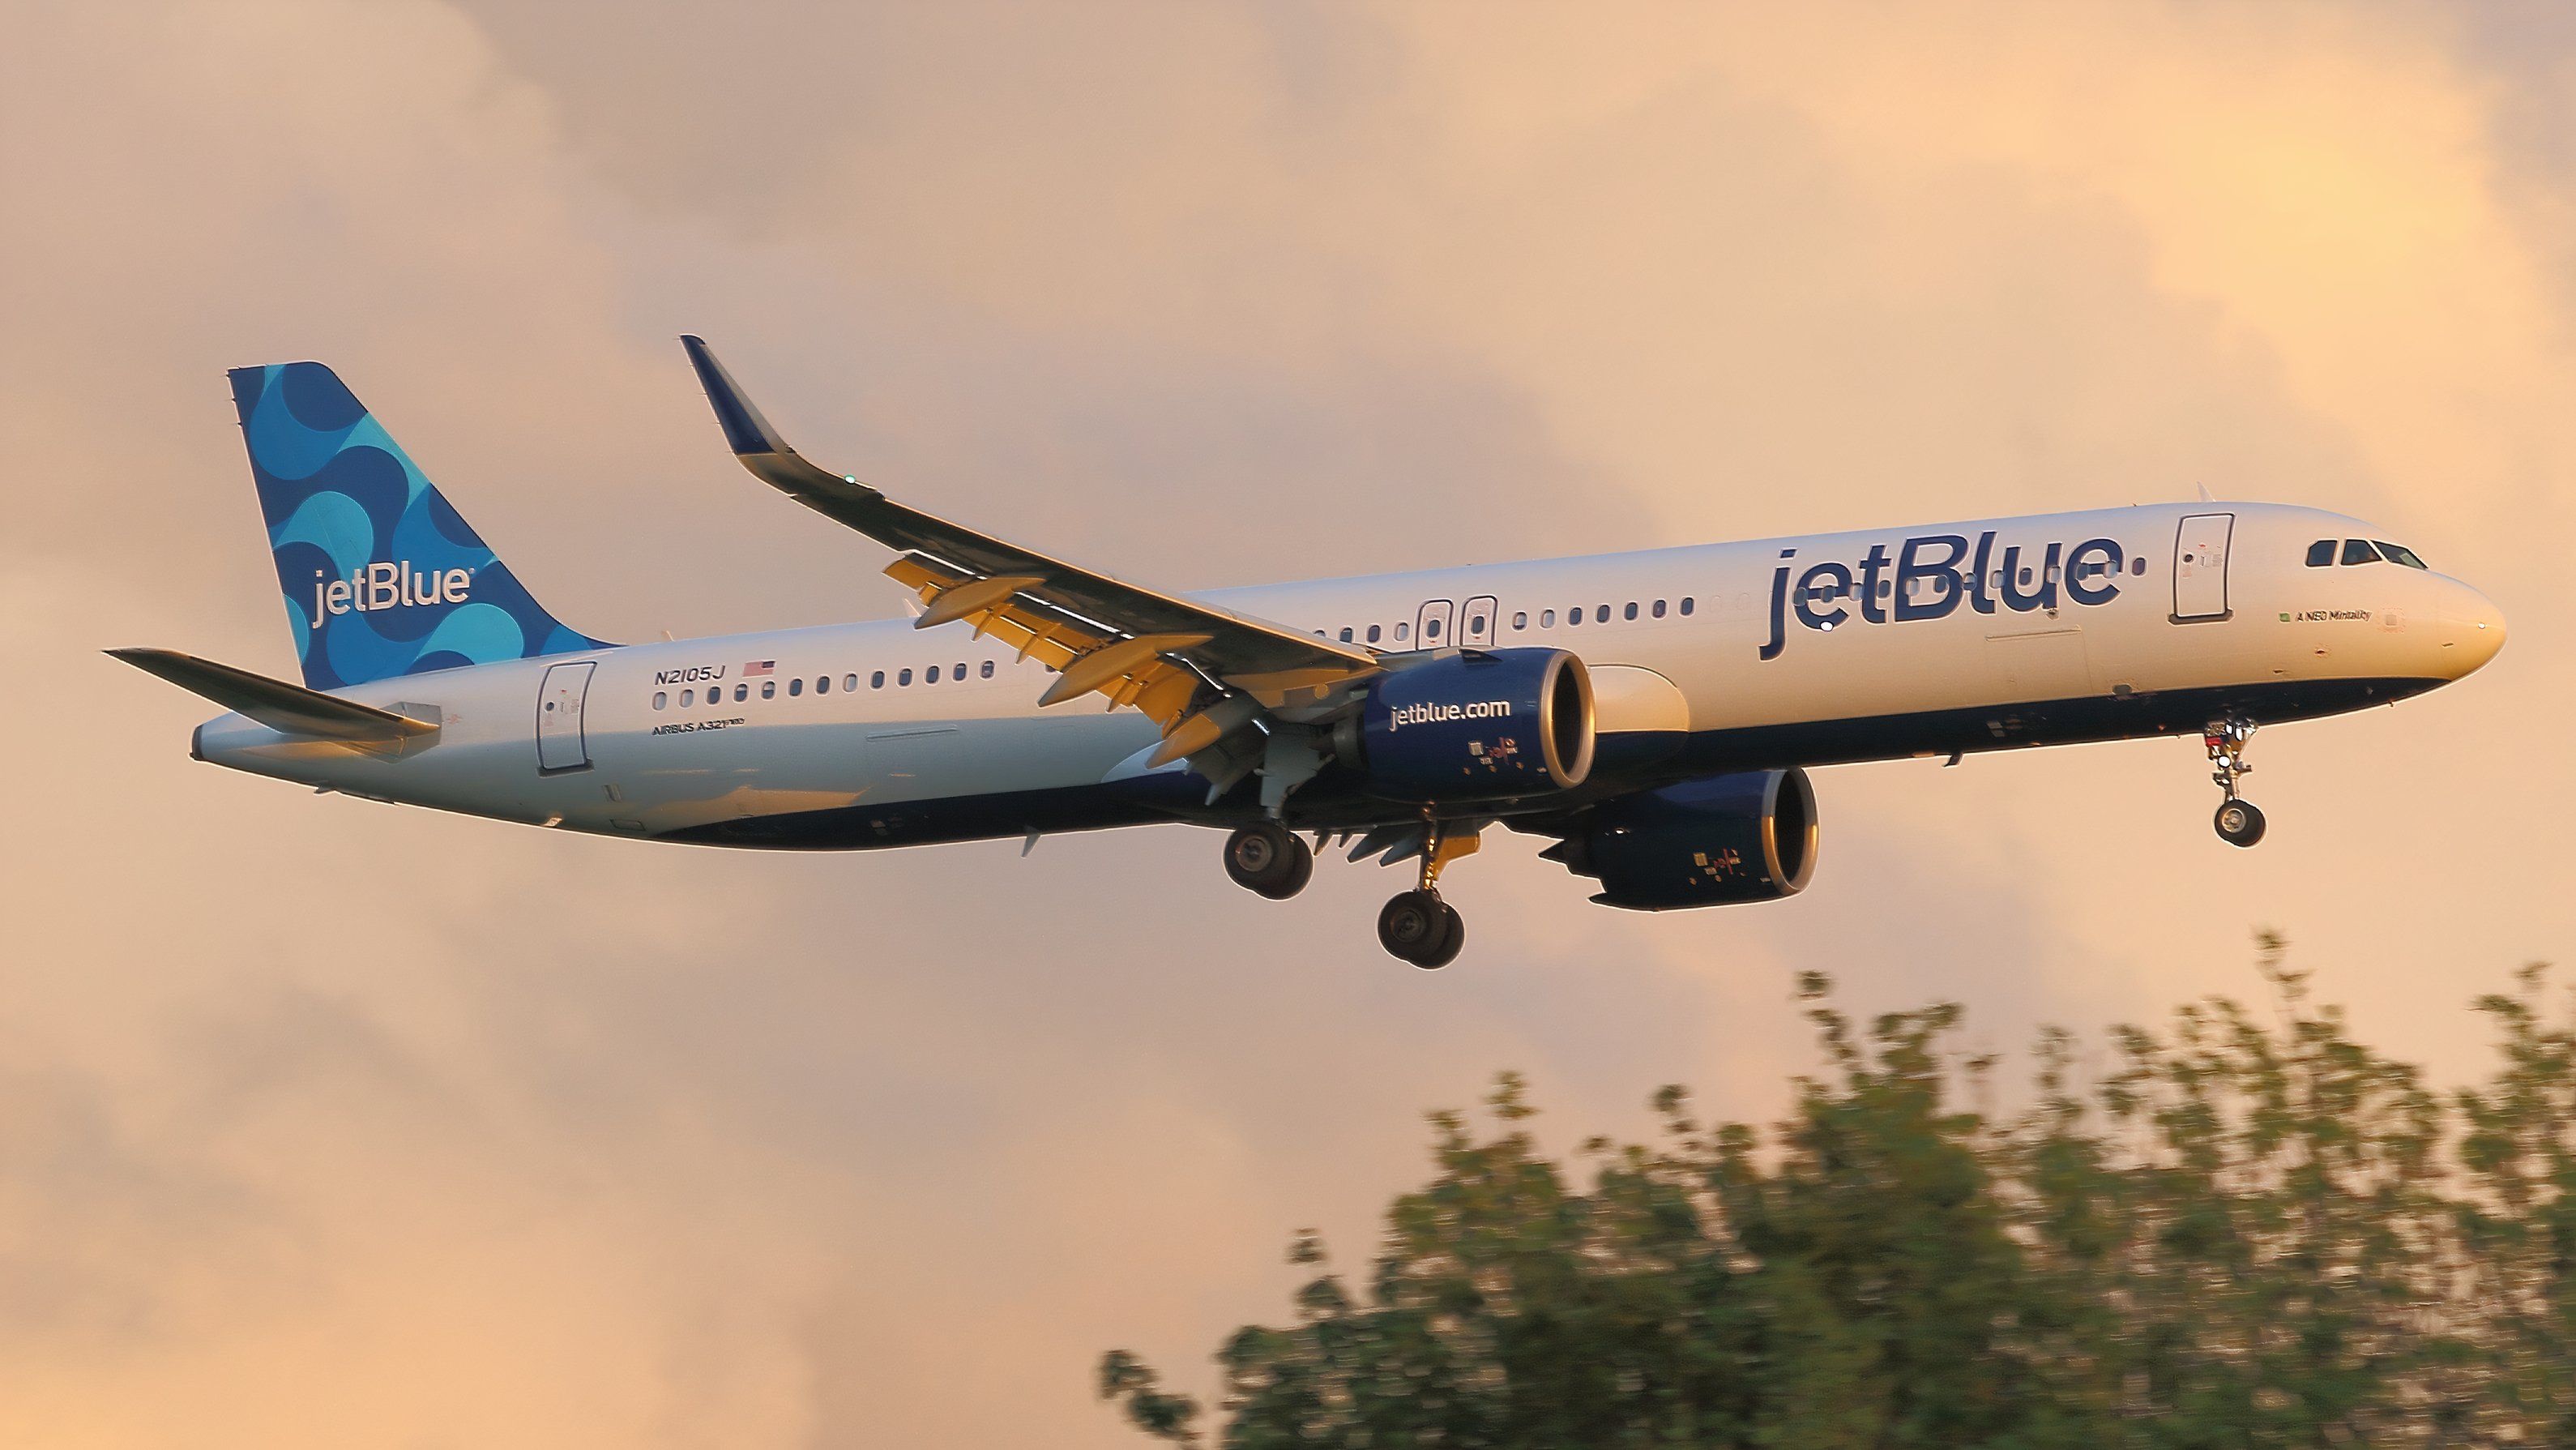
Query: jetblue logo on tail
[[382, 577], [388, 586]]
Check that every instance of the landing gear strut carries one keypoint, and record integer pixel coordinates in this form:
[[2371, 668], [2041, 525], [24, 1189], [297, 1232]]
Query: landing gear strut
[[2239, 822], [1417, 926], [1268, 860]]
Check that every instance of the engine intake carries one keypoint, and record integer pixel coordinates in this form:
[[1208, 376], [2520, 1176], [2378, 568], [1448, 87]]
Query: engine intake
[[1484, 725], [1714, 841]]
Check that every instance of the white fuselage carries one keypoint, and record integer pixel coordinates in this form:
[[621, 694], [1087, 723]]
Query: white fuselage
[[1717, 647]]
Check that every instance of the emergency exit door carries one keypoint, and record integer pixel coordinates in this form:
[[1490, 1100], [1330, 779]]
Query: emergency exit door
[[1478, 623], [2200, 567], [559, 740]]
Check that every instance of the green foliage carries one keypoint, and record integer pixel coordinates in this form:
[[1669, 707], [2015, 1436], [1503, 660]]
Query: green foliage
[[2245, 1229]]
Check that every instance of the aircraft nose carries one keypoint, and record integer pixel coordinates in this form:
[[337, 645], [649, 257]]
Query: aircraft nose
[[2473, 630]]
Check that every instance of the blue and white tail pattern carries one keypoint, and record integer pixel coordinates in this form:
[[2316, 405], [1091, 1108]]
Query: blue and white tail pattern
[[382, 577]]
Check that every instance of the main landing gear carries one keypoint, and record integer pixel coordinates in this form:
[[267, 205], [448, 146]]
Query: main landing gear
[[1268, 860], [1417, 926], [2239, 822]]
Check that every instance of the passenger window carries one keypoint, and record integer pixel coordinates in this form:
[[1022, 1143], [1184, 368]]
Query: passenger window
[[1431, 629], [1399, 631], [876, 680], [1346, 634], [987, 670], [1547, 619], [1372, 634], [796, 687], [1631, 611], [903, 677], [2400, 554], [1476, 625], [2358, 551], [2025, 578], [1686, 604], [959, 673], [742, 692], [2138, 565], [822, 684], [1601, 615], [1573, 617], [1520, 620], [688, 698], [2321, 553], [661, 698], [769, 689], [1659, 609], [931, 676]]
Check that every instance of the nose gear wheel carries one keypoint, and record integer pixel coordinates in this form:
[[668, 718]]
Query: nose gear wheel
[[2238, 822]]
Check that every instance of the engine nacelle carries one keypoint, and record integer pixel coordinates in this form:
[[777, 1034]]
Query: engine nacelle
[[1484, 725], [1715, 841]]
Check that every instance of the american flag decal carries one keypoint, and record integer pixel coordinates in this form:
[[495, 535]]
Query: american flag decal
[[760, 667]]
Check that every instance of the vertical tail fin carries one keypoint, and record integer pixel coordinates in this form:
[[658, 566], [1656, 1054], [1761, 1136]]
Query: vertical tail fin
[[382, 577]]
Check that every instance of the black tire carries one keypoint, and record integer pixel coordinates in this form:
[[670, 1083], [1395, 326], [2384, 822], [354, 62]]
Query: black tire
[[1414, 926], [1268, 860], [2238, 823], [1452, 941]]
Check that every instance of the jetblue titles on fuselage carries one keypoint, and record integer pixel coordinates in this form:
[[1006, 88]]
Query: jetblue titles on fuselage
[[1929, 576]]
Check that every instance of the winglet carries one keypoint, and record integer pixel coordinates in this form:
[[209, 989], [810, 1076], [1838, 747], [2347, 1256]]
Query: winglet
[[750, 435], [744, 428]]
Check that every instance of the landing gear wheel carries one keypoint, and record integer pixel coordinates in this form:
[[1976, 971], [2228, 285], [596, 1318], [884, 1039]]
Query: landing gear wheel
[[1268, 860], [1451, 945], [2239, 823], [1418, 927]]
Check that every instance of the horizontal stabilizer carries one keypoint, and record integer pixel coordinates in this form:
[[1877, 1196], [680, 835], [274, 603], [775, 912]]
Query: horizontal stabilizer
[[289, 709]]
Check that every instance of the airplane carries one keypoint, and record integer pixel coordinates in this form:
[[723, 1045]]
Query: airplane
[[1653, 714]]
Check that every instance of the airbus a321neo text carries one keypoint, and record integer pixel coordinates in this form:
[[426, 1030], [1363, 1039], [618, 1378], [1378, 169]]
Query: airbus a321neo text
[[1653, 713]]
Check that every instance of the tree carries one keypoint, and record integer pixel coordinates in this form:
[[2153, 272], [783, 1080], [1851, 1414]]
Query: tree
[[2249, 1230]]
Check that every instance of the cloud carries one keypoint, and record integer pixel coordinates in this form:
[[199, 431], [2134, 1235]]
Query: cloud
[[322, 1114]]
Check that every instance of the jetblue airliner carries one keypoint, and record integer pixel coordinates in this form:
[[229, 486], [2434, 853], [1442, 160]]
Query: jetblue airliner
[[1652, 713]]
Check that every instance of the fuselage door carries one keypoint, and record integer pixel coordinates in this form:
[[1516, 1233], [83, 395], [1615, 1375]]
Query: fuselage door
[[2200, 567], [1431, 628], [559, 740], [1476, 629]]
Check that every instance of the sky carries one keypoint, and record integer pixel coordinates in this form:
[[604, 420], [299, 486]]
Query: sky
[[327, 1122]]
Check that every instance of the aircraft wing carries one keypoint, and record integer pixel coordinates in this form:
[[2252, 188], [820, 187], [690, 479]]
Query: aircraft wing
[[1170, 656]]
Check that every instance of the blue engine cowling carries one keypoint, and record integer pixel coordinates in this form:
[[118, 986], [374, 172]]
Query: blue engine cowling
[[1714, 841], [1483, 725]]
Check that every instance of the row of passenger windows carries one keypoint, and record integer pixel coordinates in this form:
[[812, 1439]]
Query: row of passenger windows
[[2361, 551], [823, 685], [1476, 619]]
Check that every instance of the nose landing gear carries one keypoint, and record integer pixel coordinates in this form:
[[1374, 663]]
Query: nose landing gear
[[1267, 860], [2239, 822]]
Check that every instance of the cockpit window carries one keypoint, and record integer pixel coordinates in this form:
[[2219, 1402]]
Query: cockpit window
[[2400, 554], [2321, 553], [2358, 551]]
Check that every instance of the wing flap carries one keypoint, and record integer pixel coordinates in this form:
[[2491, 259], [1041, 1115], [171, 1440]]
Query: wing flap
[[1052, 610]]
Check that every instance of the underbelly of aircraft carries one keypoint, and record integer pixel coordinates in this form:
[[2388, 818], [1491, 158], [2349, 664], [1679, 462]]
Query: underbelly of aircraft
[[1171, 796]]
